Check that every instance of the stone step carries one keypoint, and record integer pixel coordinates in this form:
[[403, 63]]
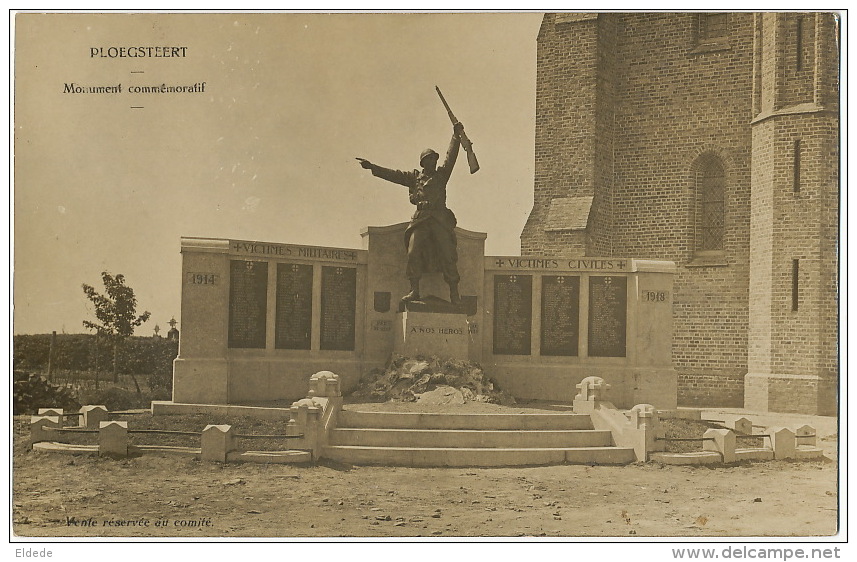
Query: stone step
[[437, 456], [270, 457], [410, 420], [471, 438], [694, 457]]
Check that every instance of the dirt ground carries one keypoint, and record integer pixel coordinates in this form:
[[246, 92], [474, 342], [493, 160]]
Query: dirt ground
[[58, 495]]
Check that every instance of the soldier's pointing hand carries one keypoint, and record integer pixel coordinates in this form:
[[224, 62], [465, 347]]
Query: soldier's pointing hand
[[365, 163]]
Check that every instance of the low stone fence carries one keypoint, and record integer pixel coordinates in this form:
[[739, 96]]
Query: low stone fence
[[313, 418], [640, 429], [217, 442]]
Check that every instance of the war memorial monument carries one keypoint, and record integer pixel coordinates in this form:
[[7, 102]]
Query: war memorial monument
[[261, 317]]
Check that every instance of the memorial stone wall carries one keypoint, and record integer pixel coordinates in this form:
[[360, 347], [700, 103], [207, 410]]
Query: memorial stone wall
[[558, 320], [271, 316], [259, 318]]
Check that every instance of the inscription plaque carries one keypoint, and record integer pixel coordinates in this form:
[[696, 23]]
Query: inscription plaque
[[294, 306], [608, 316], [338, 307], [560, 315], [248, 303], [513, 314]]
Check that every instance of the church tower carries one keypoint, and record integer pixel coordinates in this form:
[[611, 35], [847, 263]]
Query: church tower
[[794, 214]]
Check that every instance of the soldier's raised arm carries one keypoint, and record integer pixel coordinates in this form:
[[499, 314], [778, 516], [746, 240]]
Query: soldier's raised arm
[[396, 176], [452, 152]]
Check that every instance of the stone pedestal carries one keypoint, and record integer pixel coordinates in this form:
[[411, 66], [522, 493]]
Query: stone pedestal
[[39, 428], [216, 443], [722, 441], [91, 416], [113, 439], [434, 331]]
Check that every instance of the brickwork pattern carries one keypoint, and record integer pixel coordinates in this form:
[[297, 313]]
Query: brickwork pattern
[[706, 389], [800, 395], [603, 208], [761, 253], [798, 336]]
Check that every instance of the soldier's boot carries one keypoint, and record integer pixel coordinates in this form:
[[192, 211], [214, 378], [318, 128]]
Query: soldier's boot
[[414, 295], [454, 297]]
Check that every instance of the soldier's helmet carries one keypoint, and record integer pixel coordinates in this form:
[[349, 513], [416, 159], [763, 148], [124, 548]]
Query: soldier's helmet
[[426, 153]]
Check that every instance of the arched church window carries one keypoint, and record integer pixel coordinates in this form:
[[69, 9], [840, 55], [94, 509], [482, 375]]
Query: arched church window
[[710, 206]]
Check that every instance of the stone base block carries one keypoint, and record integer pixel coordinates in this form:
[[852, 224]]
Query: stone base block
[[656, 386], [432, 333], [696, 457], [801, 394], [200, 381], [113, 439]]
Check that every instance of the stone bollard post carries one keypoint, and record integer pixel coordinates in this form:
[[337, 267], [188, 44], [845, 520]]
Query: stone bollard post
[[591, 391], [782, 442], [217, 442], [306, 415], [113, 439], [58, 412], [644, 418], [292, 428], [805, 436], [742, 426], [38, 431], [92, 416], [723, 441]]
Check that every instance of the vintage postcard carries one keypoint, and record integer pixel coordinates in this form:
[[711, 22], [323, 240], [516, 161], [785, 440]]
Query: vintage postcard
[[511, 277]]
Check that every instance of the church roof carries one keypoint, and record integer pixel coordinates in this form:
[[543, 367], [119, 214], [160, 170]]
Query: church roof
[[568, 213]]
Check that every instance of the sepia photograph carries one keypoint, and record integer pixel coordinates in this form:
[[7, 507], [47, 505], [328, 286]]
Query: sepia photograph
[[504, 277]]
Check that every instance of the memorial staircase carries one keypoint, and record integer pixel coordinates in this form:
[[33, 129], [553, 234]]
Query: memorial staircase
[[443, 439]]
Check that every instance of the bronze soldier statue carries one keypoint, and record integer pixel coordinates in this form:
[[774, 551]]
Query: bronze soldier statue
[[430, 237]]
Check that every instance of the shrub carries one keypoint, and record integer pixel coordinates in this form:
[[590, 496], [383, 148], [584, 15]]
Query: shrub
[[114, 398], [31, 392]]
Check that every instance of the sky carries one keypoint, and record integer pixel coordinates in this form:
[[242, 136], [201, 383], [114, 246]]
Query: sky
[[267, 151]]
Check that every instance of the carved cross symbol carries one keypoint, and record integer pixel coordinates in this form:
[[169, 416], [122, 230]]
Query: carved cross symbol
[[250, 265], [513, 278], [295, 268], [560, 279], [608, 281], [339, 271], [172, 322], [500, 263]]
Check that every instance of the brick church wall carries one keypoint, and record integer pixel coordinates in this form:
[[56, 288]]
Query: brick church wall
[[659, 104], [632, 107]]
